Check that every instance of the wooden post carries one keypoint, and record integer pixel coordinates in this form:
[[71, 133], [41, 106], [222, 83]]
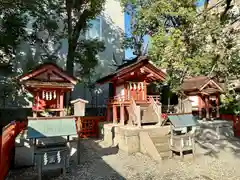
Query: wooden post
[[114, 114], [207, 106], [200, 106], [108, 113], [78, 140], [61, 103], [122, 114], [217, 104], [1, 134]]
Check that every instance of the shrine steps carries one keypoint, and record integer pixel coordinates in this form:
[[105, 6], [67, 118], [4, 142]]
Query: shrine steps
[[162, 145], [156, 144]]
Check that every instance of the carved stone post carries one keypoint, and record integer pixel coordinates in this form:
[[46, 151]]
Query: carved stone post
[[122, 114]]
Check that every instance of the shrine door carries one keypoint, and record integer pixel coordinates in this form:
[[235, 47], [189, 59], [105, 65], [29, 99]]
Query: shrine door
[[136, 90]]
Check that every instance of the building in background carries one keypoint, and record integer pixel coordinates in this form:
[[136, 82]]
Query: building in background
[[108, 27]]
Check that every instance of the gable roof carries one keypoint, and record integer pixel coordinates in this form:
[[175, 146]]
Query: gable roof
[[45, 67], [199, 83], [182, 120], [129, 66]]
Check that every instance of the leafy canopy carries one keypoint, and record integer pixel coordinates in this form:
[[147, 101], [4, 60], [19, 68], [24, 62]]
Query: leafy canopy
[[185, 40]]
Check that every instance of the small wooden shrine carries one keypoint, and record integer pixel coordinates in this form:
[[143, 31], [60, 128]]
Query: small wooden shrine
[[48, 83], [130, 100], [204, 93], [48, 137], [182, 133]]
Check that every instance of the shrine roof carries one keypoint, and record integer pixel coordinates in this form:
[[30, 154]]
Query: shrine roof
[[42, 68], [128, 66], [210, 91], [199, 83], [182, 120], [48, 84]]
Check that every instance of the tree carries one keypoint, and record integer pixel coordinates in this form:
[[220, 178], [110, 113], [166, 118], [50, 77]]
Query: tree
[[187, 42], [43, 25]]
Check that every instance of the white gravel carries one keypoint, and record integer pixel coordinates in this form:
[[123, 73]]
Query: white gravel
[[111, 163]]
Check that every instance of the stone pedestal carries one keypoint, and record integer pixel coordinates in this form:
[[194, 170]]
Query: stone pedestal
[[127, 137], [24, 149]]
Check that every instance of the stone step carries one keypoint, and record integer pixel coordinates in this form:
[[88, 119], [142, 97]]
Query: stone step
[[157, 139], [162, 147], [159, 133], [165, 155]]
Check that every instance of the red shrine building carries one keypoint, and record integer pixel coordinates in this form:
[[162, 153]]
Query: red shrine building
[[48, 83], [130, 82], [204, 93]]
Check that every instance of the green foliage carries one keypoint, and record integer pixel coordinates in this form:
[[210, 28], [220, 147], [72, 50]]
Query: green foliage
[[186, 42], [43, 25], [52, 21], [230, 104]]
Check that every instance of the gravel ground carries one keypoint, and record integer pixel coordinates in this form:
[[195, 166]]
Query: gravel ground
[[218, 163]]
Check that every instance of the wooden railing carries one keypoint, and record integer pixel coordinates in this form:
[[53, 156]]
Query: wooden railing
[[7, 147], [123, 98], [156, 98], [89, 126]]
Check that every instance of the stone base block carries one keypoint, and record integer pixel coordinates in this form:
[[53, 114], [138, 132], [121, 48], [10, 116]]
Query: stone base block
[[127, 137]]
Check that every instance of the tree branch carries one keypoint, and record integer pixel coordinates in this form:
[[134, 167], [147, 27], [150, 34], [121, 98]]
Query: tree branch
[[79, 26]]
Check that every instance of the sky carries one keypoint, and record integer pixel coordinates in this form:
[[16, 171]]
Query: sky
[[127, 29]]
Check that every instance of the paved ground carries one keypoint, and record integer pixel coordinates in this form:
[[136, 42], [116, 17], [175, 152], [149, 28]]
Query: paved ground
[[215, 161]]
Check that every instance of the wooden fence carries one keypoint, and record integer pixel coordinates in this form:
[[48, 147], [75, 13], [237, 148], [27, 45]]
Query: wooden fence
[[7, 146], [236, 122], [89, 126]]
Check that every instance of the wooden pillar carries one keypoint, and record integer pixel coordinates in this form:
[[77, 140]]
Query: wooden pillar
[[200, 106], [61, 103], [114, 114], [207, 106], [36, 103], [122, 114], [1, 134], [125, 92], [144, 91], [217, 104], [108, 113]]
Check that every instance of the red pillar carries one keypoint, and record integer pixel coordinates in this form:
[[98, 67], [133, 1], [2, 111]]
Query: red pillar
[[200, 106], [1, 132], [61, 104], [108, 113], [114, 114], [207, 106]]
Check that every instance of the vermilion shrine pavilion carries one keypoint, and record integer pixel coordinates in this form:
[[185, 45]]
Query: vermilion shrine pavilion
[[129, 87], [204, 92], [48, 83]]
